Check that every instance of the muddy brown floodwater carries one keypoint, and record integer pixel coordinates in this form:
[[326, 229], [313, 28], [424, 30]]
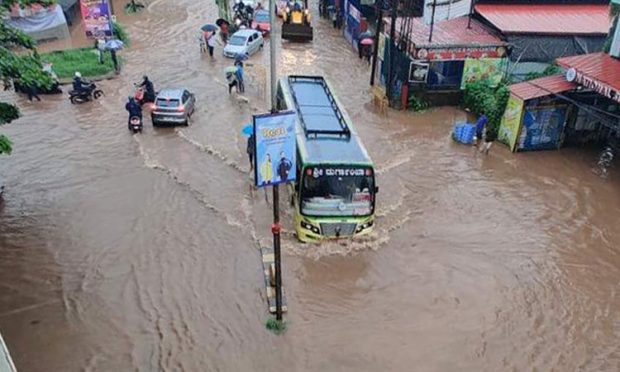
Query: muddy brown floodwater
[[140, 253]]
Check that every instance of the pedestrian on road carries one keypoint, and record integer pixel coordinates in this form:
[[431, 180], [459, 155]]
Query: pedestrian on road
[[250, 151], [480, 124], [239, 74], [231, 77], [489, 137], [114, 60], [100, 46], [211, 43], [32, 92]]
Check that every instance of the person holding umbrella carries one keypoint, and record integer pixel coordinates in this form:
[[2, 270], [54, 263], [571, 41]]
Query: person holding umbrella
[[114, 45], [209, 31]]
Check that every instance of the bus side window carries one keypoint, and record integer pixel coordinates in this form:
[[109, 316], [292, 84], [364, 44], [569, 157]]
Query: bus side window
[[280, 104], [298, 172]]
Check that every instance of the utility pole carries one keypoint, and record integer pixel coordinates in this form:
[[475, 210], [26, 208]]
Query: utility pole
[[375, 52], [275, 228], [430, 35], [388, 85]]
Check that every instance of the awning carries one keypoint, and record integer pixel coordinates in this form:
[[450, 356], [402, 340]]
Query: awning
[[542, 87], [561, 19], [597, 71]]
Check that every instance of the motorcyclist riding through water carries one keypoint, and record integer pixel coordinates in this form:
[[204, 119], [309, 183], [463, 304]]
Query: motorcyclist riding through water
[[133, 108], [80, 85], [149, 90]]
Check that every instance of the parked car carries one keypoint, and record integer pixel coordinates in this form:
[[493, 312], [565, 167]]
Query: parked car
[[245, 42], [173, 106], [261, 21]]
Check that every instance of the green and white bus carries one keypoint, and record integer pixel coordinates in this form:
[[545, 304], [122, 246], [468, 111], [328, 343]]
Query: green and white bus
[[335, 188]]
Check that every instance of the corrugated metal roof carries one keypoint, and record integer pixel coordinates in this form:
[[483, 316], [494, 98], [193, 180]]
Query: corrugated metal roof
[[573, 19], [597, 66], [541, 87], [451, 32]]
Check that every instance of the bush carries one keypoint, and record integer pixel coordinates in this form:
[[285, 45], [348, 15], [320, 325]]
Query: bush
[[550, 70], [479, 96], [119, 32], [84, 60], [8, 113], [417, 104]]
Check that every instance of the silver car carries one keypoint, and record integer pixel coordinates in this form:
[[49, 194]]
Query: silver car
[[244, 42], [173, 106]]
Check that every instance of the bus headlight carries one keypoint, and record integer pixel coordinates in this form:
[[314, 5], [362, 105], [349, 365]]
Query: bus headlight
[[310, 227], [364, 226]]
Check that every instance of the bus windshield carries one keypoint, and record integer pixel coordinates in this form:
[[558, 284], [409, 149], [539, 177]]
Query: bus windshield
[[338, 191]]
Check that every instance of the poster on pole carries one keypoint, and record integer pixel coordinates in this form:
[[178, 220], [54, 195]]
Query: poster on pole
[[274, 150], [97, 18]]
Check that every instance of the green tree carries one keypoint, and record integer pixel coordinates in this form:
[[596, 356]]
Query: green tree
[[19, 61]]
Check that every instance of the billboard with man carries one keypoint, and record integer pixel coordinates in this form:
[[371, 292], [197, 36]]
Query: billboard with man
[[274, 148]]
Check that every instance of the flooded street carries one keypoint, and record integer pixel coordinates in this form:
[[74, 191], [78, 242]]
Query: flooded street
[[141, 253]]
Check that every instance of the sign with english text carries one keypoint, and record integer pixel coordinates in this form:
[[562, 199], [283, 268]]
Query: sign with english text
[[275, 148]]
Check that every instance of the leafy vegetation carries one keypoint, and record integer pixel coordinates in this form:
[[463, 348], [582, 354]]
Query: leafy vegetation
[[481, 97], [119, 32], [84, 60], [133, 6], [24, 67], [550, 70], [276, 326], [417, 104]]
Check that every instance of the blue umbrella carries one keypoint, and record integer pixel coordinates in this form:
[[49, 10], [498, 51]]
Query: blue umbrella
[[247, 130], [114, 44], [209, 27], [240, 57]]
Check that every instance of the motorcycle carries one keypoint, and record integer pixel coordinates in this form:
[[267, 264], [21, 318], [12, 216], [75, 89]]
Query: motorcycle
[[135, 124], [81, 96], [141, 96]]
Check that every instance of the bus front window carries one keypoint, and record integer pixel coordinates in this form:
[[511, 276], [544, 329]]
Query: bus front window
[[329, 191]]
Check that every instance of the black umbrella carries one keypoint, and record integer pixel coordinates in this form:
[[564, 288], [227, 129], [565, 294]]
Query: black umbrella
[[222, 21]]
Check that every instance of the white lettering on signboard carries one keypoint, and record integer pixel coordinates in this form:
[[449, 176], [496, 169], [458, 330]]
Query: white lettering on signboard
[[597, 86]]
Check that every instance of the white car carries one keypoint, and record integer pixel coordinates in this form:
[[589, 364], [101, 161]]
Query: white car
[[243, 42]]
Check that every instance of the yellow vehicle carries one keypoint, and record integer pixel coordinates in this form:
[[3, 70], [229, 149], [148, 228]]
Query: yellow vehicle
[[296, 24], [335, 190]]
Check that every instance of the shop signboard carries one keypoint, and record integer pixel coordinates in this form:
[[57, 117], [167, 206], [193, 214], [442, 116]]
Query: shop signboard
[[97, 18], [511, 122], [456, 53], [418, 72], [599, 87], [491, 69], [275, 148]]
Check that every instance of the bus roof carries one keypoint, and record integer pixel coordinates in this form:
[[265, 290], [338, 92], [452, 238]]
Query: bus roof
[[324, 131]]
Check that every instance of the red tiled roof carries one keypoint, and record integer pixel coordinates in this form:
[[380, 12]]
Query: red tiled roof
[[541, 87], [450, 32], [548, 18], [600, 67]]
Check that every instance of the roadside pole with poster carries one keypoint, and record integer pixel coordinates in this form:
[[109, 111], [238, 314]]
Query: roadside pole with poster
[[97, 18], [275, 151]]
